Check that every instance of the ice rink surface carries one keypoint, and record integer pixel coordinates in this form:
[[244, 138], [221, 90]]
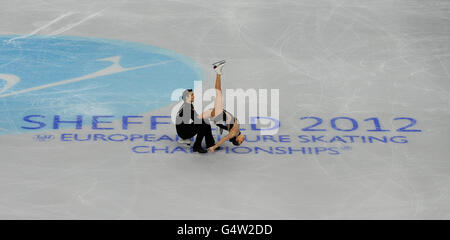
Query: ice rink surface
[[381, 59]]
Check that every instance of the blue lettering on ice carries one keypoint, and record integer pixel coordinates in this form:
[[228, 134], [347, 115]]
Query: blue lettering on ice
[[125, 121], [68, 77], [254, 119], [30, 120], [154, 121], [96, 121]]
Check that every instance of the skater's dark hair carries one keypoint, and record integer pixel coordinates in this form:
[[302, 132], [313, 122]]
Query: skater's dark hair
[[186, 94], [234, 140]]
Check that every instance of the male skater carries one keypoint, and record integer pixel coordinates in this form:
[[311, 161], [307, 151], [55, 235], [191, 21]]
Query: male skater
[[189, 124]]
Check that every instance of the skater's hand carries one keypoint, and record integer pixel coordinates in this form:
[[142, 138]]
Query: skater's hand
[[211, 149]]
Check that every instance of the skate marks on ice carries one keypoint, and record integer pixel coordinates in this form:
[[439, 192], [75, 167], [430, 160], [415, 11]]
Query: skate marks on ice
[[62, 29]]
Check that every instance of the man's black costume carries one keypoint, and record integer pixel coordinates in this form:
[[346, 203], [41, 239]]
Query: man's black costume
[[188, 125]]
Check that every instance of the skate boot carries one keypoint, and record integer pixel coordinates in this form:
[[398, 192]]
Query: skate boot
[[218, 66], [185, 141]]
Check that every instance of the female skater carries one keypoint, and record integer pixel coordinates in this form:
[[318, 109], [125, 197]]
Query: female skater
[[221, 117]]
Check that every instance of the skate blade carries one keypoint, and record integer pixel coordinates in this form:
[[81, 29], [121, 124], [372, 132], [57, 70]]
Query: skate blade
[[218, 63]]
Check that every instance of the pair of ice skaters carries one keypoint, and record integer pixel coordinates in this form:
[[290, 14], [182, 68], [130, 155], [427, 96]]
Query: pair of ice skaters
[[189, 123]]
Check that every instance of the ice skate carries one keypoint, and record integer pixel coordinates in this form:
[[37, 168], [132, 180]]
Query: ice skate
[[185, 141], [218, 66], [219, 62]]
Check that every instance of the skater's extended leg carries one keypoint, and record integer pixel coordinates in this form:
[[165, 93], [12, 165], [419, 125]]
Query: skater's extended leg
[[218, 103]]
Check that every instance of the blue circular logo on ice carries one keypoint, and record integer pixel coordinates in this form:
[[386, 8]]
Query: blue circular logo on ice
[[70, 76]]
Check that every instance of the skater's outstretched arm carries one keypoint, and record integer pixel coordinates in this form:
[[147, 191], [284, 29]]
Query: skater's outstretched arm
[[233, 132], [227, 137]]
